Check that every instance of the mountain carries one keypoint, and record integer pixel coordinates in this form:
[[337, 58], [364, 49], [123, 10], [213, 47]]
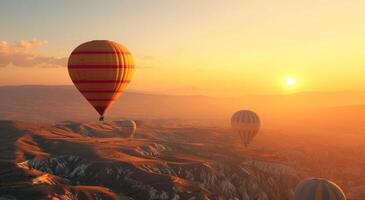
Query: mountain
[[72, 160], [163, 160], [53, 148], [59, 103], [51, 104]]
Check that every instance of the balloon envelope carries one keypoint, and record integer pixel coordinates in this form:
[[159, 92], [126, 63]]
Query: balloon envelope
[[318, 189], [247, 124], [128, 127], [101, 70]]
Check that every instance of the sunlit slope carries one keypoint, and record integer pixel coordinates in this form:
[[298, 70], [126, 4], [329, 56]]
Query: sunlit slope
[[77, 160]]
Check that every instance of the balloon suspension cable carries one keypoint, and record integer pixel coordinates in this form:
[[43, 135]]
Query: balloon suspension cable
[[101, 118]]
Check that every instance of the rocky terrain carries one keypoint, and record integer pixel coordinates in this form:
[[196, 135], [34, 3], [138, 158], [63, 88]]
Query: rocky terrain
[[183, 147], [95, 161]]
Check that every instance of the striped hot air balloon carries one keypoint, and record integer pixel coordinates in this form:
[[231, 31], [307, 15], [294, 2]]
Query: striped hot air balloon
[[318, 189], [247, 124], [128, 127], [101, 70]]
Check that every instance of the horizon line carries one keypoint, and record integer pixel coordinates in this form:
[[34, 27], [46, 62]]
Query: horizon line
[[201, 95]]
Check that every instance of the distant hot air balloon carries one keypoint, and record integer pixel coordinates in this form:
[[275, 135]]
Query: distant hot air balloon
[[101, 70], [318, 189], [128, 127], [247, 124]]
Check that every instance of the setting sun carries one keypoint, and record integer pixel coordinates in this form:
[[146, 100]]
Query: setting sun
[[291, 81]]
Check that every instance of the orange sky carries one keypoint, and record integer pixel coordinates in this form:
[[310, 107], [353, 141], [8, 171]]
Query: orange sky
[[207, 47]]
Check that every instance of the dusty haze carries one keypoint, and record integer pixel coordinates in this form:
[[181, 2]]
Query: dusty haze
[[310, 110], [304, 135]]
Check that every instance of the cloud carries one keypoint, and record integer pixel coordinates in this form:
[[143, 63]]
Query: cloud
[[28, 44], [21, 54]]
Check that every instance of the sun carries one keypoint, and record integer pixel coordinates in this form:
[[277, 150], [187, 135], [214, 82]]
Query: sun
[[291, 81]]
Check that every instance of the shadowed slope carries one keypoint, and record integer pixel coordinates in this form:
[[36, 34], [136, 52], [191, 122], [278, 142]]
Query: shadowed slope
[[86, 161]]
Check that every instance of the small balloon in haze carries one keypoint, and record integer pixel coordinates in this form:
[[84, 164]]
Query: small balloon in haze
[[127, 127], [318, 189], [101, 70], [247, 124]]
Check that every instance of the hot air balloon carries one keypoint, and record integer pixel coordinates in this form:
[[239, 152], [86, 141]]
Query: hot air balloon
[[318, 189], [101, 70], [128, 127], [246, 123]]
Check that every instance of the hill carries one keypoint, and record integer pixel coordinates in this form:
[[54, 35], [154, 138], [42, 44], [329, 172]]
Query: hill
[[60, 103], [92, 161]]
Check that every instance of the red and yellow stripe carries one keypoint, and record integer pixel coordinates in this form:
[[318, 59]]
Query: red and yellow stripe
[[101, 70]]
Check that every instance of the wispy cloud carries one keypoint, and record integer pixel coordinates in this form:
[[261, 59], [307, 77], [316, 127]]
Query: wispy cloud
[[21, 54]]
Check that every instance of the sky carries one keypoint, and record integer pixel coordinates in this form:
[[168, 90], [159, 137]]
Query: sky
[[206, 47]]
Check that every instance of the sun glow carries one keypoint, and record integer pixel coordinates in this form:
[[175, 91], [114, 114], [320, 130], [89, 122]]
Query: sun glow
[[291, 81]]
